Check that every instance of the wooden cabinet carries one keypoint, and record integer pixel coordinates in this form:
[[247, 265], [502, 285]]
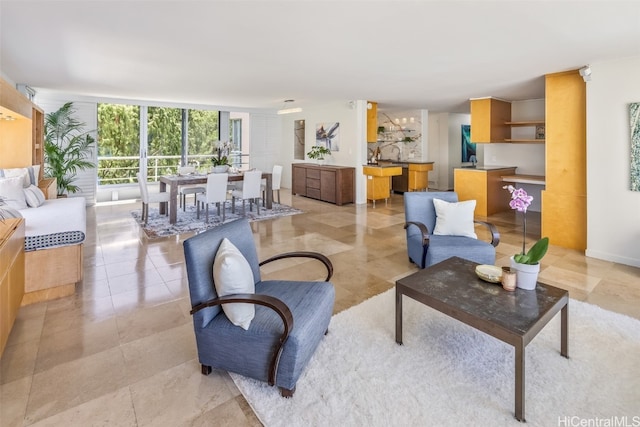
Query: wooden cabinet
[[488, 120], [49, 187], [372, 122], [37, 144], [333, 184], [12, 274], [21, 139], [485, 187]]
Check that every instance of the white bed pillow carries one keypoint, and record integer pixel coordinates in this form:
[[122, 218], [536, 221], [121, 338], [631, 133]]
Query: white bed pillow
[[34, 196], [454, 219], [28, 174], [232, 275], [11, 189]]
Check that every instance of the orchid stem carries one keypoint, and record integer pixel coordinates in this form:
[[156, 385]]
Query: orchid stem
[[524, 231]]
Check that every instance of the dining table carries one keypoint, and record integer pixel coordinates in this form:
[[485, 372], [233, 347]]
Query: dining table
[[175, 181]]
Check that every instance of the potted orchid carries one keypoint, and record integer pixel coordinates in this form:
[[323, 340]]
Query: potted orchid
[[526, 263], [221, 161]]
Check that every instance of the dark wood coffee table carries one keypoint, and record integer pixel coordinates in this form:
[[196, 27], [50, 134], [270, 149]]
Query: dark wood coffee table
[[515, 318]]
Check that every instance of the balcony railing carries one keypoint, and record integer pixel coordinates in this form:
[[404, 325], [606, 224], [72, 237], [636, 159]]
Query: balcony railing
[[114, 170]]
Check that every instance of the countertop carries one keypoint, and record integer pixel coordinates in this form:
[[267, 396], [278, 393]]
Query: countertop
[[375, 165], [486, 168], [387, 163]]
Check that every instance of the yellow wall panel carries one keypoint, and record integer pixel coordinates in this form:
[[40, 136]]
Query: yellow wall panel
[[564, 214], [565, 219]]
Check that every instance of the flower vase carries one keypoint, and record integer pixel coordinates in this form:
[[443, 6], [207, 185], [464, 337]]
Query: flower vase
[[526, 274], [320, 162]]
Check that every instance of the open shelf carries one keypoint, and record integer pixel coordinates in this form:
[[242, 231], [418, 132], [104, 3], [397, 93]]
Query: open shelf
[[533, 141], [525, 123]]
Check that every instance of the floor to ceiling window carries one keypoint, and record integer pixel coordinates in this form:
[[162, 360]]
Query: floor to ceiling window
[[153, 140]]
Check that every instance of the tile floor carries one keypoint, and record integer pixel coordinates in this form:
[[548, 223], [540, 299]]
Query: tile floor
[[121, 352]]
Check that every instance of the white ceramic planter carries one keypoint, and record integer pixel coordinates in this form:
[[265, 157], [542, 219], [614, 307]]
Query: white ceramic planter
[[526, 275], [220, 169]]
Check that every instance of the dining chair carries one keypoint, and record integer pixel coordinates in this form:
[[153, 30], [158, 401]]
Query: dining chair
[[216, 193], [276, 177], [162, 197], [185, 190], [250, 191]]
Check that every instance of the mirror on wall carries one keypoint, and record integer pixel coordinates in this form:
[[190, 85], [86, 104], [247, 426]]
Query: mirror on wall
[[298, 145]]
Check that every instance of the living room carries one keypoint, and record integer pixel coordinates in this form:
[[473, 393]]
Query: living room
[[135, 314]]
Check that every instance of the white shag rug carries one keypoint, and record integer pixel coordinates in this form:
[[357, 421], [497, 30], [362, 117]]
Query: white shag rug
[[448, 373]]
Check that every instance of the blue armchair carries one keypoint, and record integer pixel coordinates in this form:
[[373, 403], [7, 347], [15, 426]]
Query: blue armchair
[[426, 249], [291, 317]]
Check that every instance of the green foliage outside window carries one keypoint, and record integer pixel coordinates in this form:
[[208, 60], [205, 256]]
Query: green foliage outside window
[[119, 136]]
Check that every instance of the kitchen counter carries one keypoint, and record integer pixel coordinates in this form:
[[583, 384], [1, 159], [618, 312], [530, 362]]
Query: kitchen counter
[[379, 181], [484, 185], [485, 168], [414, 177]]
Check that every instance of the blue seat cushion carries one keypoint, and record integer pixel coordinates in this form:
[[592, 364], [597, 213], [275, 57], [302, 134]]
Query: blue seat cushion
[[226, 346], [444, 247]]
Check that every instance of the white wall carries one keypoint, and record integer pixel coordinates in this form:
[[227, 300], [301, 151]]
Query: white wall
[[352, 144], [613, 210], [445, 147], [86, 112]]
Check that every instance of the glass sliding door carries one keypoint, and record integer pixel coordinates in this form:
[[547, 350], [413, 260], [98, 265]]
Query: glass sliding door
[[203, 135], [164, 141], [118, 143], [154, 141]]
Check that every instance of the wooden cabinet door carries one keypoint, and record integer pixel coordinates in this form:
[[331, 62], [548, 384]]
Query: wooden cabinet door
[[328, 185], [299, 180]]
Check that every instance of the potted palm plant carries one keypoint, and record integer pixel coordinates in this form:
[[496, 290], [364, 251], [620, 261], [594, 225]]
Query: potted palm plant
[[67, 148]]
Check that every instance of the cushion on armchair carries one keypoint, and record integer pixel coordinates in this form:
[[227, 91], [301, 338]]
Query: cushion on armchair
[[232, 275], [454, 219]]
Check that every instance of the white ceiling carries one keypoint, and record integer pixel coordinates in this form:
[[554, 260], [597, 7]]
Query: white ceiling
[[404, 54]]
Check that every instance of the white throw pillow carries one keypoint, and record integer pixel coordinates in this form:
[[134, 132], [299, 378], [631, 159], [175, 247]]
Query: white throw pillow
[[232, 275], [34, 196], [11, 189], [29, 174], [19, 172], [454, 219]]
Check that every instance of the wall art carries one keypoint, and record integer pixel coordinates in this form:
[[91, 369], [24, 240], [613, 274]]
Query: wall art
[[634, 121], [468, 147], [298, 138], [328, 135]]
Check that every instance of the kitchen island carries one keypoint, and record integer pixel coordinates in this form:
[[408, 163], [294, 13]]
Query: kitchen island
[[484, 185], [379, 180], [414, 177]]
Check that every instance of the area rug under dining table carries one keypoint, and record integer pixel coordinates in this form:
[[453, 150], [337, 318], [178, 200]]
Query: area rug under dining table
[[187, 221], [448, 373]]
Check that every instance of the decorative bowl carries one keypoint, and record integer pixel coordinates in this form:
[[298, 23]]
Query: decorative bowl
[[489, 273]]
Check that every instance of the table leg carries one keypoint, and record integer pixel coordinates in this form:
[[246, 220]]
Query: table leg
[[163, 207], [173, 203], [398, 317], [520, 382], [564, 331], [268, 202]]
